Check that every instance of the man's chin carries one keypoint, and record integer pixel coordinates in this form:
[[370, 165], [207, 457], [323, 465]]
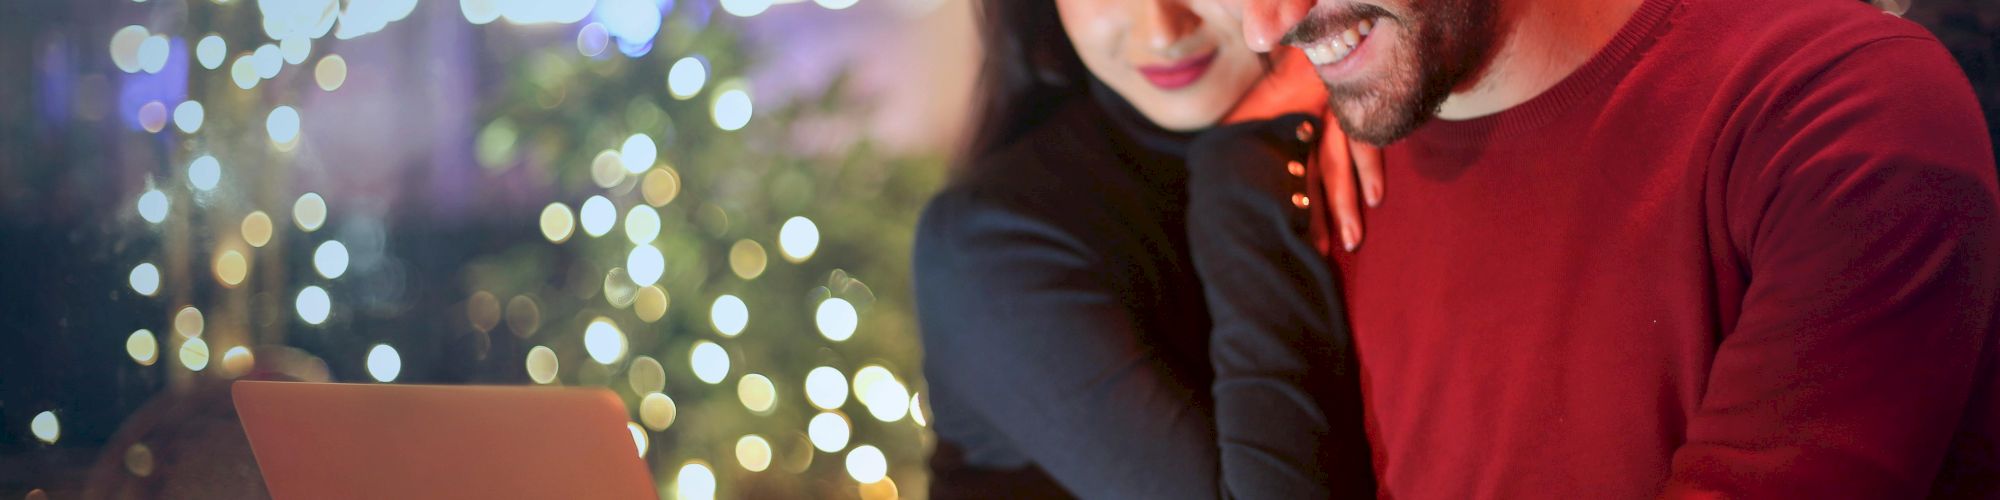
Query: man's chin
[[1376, 123]]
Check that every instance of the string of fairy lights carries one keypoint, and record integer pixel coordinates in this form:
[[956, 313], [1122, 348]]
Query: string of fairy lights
[[295, 28]]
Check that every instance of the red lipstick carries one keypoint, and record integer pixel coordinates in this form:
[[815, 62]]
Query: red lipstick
[[1180, 73]]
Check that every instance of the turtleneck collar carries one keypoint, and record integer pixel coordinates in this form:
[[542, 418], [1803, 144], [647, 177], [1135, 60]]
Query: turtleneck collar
[[1142, 132]]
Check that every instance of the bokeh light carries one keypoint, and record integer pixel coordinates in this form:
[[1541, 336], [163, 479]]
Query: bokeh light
[[153, 206], [194, 354], [598, 216], [828, 431], [729, 315], [639, 439], [204, 173], [651, 303], [267, 60], [189, 115], [757, 393], [243, 72], [153, 116], [645, 264], [686, 77], [660, 186], [330, 259], [237, 360], [798, 239], [603, 341], [331, 72], [836, 4], [309, 212], [257, 229], [836, 319], [143, 347], [145, 279], [746, 8], [866, 464], [826, 388], [657, 411], [542, 364], [592, 39], [709, 362], [125, 47], [732, 109], [153, 53], [282, 124], [557, 223], [642, 224], [314, 305], [384, 364], [633, 22], [638, 153], [231, 267], [45, 427], [694, 482], [295, 49], [753, 452], [210, 51], [747, 259], [646, 375], [188, 322]]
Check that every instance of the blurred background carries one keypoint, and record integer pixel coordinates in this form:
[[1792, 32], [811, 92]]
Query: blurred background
[[705, 206]]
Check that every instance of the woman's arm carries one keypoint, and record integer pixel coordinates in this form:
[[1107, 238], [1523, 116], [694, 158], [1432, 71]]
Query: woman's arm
[[1287, 391], [1022, 326]]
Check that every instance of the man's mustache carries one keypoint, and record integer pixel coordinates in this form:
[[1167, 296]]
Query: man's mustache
[[1322, 23]]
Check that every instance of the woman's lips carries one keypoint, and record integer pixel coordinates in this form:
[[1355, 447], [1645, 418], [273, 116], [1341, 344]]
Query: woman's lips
[[1180, 73]]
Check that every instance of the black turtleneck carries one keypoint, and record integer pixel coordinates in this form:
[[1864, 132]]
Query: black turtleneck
[[1067, 335]]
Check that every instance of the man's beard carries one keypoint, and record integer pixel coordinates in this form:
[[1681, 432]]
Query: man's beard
[[1451, 39]]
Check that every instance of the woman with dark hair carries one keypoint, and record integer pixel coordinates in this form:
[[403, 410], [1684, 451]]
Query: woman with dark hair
[[1078, 341]]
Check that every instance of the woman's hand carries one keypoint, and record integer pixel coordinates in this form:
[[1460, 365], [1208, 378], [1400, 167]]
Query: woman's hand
[[1351, 170]]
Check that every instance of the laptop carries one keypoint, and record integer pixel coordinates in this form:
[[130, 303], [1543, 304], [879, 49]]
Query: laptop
[[374, 441]]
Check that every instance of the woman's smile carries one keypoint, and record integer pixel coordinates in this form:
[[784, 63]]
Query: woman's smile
[[1177, 74]]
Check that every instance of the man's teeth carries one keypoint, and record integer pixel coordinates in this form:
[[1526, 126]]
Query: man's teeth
[[1333, 49]]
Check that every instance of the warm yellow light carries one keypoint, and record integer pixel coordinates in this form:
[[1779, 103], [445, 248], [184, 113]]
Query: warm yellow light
[[194, 354], [238, 360], [482, 310], [557, 223], [651, 303], [757, 393], [646, 375], [524, 316], [747, 259], [542, 364], [331, 72], [231, 267], [754, 453], [257, 229], [143, 347], [657, 411], [189, 322], [309, 211], [660, 186]]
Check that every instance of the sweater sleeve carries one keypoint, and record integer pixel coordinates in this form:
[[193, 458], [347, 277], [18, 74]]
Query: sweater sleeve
[[1022, 324], [1287, 396], [1864, 214]]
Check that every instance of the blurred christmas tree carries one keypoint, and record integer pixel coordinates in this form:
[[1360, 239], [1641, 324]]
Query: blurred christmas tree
[[738, 276]]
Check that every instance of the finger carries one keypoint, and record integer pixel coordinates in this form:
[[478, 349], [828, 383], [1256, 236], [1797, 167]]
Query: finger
[[1337, 172], [1368, 166]]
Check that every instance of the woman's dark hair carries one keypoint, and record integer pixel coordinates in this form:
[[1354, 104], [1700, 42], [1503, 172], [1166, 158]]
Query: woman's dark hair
[[1029, 69]]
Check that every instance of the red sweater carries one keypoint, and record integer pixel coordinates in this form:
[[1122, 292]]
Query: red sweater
[[1750, 249]]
